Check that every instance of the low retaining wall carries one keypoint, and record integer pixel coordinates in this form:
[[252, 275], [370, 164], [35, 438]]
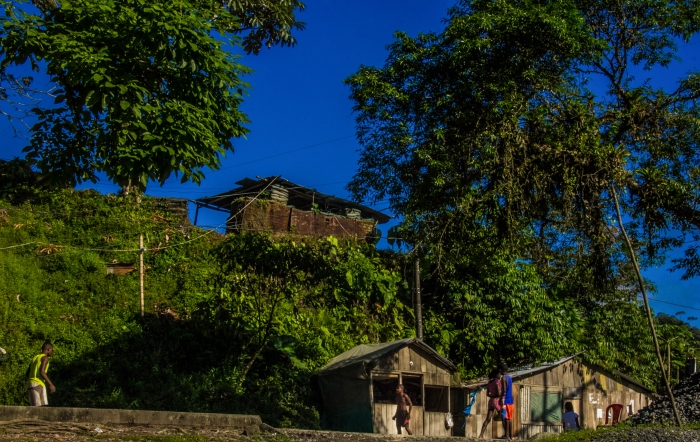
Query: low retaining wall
[[129, 417]]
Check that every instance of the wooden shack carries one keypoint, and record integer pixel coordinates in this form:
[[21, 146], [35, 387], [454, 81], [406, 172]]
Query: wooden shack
[[540, 394], [278, 206], [359, 388]]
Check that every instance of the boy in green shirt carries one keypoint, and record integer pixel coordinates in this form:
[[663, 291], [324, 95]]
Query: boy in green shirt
[[37, 377]]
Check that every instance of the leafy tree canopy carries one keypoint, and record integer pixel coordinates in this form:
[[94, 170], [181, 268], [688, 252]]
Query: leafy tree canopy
[[143, 89], [491, 135]]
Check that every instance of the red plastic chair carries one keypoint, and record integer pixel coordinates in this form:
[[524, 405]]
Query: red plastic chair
[[616, 412]]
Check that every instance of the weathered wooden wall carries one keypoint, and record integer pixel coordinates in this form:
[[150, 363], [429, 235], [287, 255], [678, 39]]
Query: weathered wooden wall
[[413, 361], [588, 389], [423, 364], [434, 424], [478, 416], [273, 217], [384, 424]]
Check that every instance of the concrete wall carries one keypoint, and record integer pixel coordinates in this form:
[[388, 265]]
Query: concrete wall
[[129, 417]]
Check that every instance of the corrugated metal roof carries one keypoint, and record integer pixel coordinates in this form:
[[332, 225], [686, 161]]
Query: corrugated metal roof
[[300, 197], [544, 367], [368, 353], [525, 372]]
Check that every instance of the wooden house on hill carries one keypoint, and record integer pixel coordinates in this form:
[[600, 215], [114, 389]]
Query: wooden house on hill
[[359, 388], [541, 392], [279, 206]]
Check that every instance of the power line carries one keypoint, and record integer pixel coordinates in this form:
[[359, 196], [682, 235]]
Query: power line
[[288, 152], [159, 248], [672, 303], [206, 189]]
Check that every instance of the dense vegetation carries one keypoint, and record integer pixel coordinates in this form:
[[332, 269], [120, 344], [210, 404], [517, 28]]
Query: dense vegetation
[[138, 90], [522, 146], [238, 323], [233, 324]]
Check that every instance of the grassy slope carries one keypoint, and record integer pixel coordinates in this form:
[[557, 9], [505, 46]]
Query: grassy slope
[[54, 287]]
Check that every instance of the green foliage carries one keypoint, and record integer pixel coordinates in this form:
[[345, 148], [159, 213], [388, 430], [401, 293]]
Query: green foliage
[[490, 143], [163, 98], [143, 89], [266, 23], [233, 325], [17, 178], [501, 313]]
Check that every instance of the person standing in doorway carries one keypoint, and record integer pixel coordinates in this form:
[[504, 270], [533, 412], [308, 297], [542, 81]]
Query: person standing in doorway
[[507, 402], [403, 410], [37, 377]]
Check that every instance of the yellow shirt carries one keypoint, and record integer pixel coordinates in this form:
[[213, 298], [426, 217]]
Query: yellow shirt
[[35, 370]]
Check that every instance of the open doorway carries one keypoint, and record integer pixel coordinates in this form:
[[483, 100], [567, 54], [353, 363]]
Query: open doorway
[[413, 385], [384, 388]]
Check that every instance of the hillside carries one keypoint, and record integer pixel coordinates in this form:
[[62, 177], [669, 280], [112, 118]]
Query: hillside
[[232, 324]]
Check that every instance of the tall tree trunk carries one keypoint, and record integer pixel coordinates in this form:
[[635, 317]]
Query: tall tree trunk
[[633, 256]]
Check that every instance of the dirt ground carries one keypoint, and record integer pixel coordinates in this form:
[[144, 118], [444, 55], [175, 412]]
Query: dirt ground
[[33, 430]]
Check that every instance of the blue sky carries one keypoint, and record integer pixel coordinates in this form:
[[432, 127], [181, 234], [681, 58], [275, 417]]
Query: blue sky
[[302, 123]]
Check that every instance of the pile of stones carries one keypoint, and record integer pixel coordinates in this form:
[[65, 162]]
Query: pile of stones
[[687, 395]]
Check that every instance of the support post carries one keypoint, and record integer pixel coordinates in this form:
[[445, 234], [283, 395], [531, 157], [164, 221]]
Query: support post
[[650, 318], [141, 250], [419, 307], [669, 360]]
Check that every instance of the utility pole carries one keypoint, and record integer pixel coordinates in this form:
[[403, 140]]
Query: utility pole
[[141, 250], [419, 307], [645, 298], [669, 360]]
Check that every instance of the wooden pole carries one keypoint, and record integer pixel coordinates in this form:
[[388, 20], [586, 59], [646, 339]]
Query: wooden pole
[[141, 249], [650, 318], [669, 360], [419, 307]]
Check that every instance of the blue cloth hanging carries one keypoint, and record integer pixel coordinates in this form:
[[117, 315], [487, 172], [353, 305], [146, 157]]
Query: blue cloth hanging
[[468, 409]]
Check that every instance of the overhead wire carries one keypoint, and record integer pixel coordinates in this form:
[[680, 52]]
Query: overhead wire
[[288, 152], [146, 249], [672, 303]]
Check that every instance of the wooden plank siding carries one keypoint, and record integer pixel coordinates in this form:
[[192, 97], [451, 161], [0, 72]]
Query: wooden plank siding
[[413, 361], [423, 364], [587, 388], [384, 424], [434, 424]]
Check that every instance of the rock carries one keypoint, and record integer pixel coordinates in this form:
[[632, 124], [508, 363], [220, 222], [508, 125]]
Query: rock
[[648, 435], [251, 430], [687, 395], [267, 428]]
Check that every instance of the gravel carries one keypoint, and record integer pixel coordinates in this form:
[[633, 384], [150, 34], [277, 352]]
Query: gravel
[[687, 395], [649, 435]]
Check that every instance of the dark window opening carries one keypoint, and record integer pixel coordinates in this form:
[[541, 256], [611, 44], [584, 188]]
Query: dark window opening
[[437, 399], [413, 386], [384, 388]]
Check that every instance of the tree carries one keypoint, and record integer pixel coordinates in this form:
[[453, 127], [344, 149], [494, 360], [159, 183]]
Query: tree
[[143, 89], [490, 133], [318, 296]]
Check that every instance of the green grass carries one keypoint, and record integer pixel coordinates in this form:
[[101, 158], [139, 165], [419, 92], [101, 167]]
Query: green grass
[[587, 435]]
